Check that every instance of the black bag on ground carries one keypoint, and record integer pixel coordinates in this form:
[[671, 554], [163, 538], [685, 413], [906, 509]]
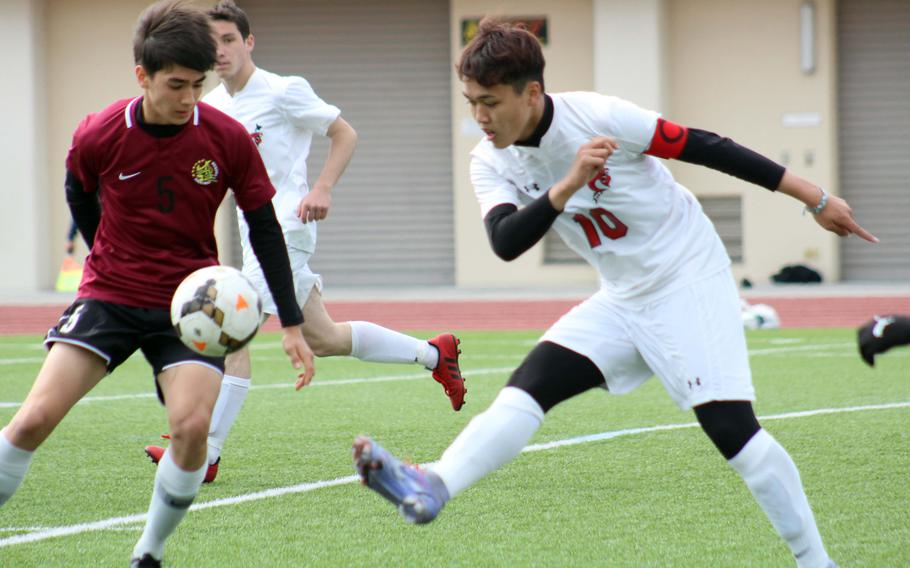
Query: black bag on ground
[[797, 274]]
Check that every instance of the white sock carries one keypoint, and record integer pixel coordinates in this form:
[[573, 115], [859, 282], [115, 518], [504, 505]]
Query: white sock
[[492, 439], [227, 407], [371, 342], [174, 492], [773, 479], [14, 464]]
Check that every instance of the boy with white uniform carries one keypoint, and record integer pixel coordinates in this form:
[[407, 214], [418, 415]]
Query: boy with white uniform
[[668, 306], [281, 115]]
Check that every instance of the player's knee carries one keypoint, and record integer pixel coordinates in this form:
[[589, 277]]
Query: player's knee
[[325, 349], [29, 429], [329, 342], [729, 424], [191, 429], [237, 364], [551, 374]]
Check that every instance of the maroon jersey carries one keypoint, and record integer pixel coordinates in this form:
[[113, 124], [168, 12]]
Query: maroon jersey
[[159, 197]]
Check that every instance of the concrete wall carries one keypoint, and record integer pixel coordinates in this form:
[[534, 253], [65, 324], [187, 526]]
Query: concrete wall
[[89, 65], [734, 68], [731, 67], [26, 229], [70, 58]]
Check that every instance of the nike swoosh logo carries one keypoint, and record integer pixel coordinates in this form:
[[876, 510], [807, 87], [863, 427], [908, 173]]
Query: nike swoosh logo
[[880, 324], [128, 176]]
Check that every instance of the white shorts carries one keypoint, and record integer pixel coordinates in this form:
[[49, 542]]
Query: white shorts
[[692, 339], [304, 279]]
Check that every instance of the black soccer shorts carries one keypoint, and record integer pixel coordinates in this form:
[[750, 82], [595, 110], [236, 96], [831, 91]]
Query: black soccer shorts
[[114, 332]]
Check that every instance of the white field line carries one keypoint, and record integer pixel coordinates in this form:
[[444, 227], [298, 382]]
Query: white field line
[[289, 385], [820, 348], [21, 360], [118, 523]]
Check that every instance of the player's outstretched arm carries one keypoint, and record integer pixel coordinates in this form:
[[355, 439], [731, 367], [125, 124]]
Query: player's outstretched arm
[[835, 215], [704, 148]]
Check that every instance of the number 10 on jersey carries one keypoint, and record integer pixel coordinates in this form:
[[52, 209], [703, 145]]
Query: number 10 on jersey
[[599, 222]]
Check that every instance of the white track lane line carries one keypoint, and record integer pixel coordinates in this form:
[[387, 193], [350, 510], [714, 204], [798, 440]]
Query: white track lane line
[[118, 522]]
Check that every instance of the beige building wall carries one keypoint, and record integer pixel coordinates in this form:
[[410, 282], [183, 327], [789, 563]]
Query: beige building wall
[[72, 57], [734, 68], [569, 67], [89, 65], [630, 49], [24, 223]]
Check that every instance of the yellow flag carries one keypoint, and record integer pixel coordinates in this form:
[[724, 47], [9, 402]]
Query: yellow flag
[[70, 275]]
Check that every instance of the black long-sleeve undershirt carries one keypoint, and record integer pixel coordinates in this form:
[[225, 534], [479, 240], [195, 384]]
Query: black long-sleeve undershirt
[[513, 231], [268, 243], [724, 155], [84, 207]]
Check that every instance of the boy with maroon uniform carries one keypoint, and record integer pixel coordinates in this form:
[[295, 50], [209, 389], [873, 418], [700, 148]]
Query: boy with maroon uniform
[[161, 164]]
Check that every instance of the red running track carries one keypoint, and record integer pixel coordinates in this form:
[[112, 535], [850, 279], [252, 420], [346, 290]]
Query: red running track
[[843, 311]]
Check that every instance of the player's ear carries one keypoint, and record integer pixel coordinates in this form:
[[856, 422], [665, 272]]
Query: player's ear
[[142, 77], [534, 91], [250, 42]]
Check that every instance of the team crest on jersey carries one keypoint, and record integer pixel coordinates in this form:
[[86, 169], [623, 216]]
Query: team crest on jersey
[[600, 183], [205, 172], [256, 135]]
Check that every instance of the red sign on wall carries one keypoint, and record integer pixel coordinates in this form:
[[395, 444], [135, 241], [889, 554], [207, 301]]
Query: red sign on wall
[[537, 25]]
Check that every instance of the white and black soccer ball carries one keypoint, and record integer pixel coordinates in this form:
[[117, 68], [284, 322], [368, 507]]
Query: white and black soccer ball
[[216, 311], [760, 316]]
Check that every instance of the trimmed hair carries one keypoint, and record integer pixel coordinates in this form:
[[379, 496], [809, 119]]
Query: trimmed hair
[[228, 11], [169, 33], [501, 53]]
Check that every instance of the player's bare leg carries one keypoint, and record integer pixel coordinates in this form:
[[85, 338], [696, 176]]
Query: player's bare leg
[[68, 373], [371, 342], [189, 391]]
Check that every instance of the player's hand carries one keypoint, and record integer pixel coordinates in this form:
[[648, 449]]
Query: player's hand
[[837, 217], [300, 354], [315, 206], [70, 247], [589, 162]]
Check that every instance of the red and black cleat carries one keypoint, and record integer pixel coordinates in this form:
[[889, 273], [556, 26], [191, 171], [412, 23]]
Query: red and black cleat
[[447, 372], [155, 453]]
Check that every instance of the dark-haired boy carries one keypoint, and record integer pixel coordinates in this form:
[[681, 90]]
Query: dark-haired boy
[[161, 164], [585, 164], [282, 114]]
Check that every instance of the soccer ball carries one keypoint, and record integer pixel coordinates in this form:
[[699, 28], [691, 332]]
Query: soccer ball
[[760, 316], [216, 311]]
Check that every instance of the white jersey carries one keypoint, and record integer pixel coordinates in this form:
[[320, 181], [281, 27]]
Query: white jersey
[[281, 114], [644, 233]]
